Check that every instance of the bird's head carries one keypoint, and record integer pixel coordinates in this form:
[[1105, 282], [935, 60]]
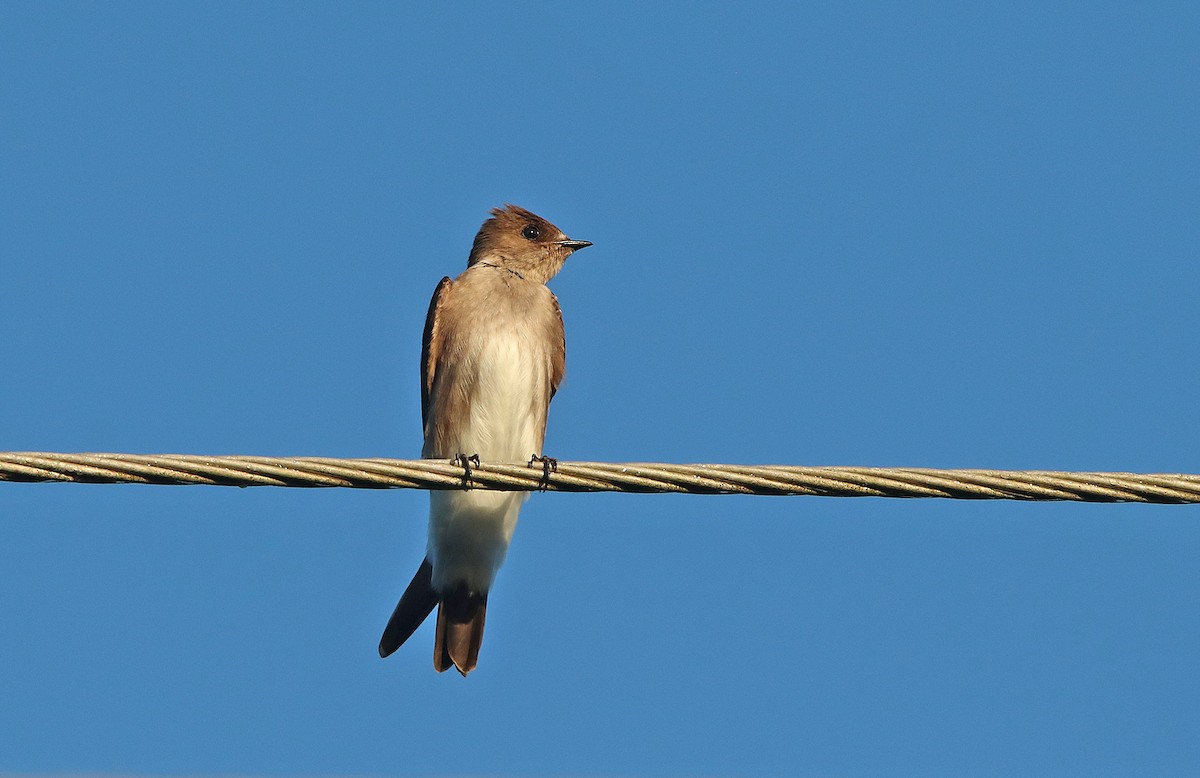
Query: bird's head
[[523, 242]]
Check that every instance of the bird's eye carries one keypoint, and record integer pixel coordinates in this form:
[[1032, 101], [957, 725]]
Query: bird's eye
[[531, 233]]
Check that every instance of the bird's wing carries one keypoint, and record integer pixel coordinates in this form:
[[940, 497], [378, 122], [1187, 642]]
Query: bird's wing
[[414, 607], [431, 346], [558, 356]]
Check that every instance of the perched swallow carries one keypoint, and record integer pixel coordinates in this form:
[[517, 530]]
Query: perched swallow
[[493, 354]]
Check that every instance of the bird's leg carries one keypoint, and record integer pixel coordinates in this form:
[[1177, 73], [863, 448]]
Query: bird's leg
[[549, 465], [466, 461]]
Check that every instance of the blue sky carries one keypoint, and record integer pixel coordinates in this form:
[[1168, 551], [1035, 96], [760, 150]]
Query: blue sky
[[935, 235]]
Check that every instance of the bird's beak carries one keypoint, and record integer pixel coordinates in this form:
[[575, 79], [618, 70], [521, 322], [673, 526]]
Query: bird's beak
[[574, 245]]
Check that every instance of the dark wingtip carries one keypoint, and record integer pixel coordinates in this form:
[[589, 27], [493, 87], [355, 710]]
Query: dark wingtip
[[414, 607]]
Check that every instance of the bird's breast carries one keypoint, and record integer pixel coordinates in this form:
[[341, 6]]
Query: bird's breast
[[493, 386], [509, 387]]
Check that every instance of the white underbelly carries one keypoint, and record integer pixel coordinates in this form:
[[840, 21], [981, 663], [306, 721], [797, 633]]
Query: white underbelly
[[470, 530], [469, 534]]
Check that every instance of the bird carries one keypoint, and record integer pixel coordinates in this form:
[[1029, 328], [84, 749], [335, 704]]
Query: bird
[[492, 357]]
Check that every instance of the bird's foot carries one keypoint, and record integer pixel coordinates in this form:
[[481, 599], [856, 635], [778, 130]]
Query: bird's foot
[[549, 465], [467, 462]]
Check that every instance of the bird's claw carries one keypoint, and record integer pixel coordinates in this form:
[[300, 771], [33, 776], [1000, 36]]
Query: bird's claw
[[549, 465], [466, 462]]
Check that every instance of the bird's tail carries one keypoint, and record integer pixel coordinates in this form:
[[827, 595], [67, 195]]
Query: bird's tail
[[414, 607], [460, 618]]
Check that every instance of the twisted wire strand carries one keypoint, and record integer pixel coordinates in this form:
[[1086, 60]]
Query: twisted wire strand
[[642, 478]]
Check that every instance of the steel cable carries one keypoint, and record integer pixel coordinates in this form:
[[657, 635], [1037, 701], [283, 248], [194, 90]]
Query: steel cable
[[640, 478]]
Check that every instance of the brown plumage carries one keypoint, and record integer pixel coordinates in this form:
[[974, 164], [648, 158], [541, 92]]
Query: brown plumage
[[492, 357]]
